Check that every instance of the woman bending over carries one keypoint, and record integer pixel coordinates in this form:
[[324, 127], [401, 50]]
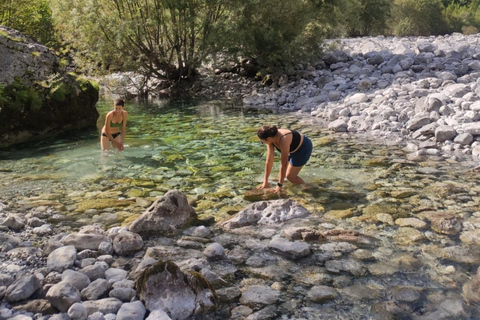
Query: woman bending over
[[295, 149]]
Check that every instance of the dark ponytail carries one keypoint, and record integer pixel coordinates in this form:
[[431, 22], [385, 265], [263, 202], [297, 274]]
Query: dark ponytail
[[266, 132]]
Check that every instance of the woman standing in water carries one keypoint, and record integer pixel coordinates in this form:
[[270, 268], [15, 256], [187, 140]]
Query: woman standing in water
[[115, 127], [295, 149]]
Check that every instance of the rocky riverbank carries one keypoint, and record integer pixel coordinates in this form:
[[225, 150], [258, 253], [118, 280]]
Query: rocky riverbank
[[272, 260], [420, 91], [423, 92], [403, 245]]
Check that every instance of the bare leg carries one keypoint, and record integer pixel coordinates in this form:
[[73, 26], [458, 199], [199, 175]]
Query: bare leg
[[292, 174], [104, 143]]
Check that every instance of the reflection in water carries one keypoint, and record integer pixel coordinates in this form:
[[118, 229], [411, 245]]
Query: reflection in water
[[211, 153]]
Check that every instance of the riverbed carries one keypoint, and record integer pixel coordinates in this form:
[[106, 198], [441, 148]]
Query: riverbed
[[209, 151]]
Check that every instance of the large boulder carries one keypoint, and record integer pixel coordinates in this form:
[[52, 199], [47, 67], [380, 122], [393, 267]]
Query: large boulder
[[22, 288], [266, 212], [39, 93], [163, 286], [167, 216]]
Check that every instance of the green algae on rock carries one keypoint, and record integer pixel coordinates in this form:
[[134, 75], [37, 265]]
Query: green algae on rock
[[264, 194], [102, 204]]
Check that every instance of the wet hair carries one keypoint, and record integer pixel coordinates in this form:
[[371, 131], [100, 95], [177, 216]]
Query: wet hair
[[119, 102], [266, 132]]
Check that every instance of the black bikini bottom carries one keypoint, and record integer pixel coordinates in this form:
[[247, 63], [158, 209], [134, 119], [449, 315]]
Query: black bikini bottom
[[114, 135]]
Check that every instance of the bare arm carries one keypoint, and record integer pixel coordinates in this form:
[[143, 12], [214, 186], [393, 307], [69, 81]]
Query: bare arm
[[268, 165], [284, 149], [124, 126]]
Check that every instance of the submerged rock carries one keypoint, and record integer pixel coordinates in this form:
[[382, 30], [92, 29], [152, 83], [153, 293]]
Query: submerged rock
[[291, 249], [350, 236], [258, 295], [444, 222], [263, 194]]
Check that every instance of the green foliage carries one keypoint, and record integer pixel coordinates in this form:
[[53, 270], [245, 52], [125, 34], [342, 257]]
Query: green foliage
[[275, 33], [417, 18], [463, 17], [32, 17], [63, 63], [403, 27], [3, 98], [20, 98], [361, 17], [59, 92], [86, 84], [166, 39]]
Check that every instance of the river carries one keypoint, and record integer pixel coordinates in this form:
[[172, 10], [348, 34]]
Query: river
[[209, 150]]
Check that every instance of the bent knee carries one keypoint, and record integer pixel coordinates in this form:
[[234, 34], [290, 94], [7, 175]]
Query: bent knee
[[291, 177]]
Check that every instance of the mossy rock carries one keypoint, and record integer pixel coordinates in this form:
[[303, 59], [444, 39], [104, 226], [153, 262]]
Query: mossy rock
[[174, 158], [136, 192], [42, 100], [142, 183], [264, 194], [340, 214], [128, 221], [445, 189], [101, 204], [203, 205], [223, 194], [231, 210], [377, 162], [324, 141], [402, 194], [221, 168], [370, 212]]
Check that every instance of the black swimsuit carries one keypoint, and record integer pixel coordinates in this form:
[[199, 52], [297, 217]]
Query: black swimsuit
[[296, 138]]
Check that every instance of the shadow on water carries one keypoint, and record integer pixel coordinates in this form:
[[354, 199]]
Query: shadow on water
[[44, 147]]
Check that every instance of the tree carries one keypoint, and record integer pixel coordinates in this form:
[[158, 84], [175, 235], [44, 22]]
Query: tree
[[32, 17], [417, 18], [274, 32], [463, 18], [167, 39]]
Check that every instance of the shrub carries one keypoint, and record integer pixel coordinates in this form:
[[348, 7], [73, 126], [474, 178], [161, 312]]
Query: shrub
[[274, 33], [19, 98], [403, 27], [417, 18], [365, 17], [59, 92], [463, 18]]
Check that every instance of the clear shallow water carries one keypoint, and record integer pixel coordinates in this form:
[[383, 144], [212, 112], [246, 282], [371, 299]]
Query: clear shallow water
[[210, 151], [203, 149]]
